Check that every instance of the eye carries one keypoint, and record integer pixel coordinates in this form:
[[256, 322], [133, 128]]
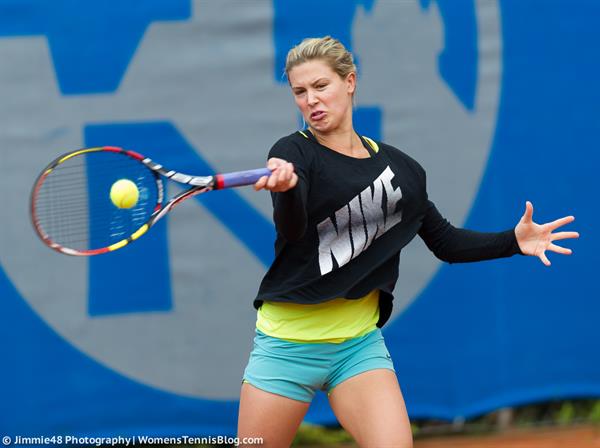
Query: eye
[[321, 86]]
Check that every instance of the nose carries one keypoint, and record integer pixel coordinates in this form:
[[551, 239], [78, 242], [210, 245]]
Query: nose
[[312, 98]]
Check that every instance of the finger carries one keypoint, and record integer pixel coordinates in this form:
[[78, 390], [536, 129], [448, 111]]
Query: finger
[[273, 163], [280, 180], [288, 184], [291, 183], [260, 183], [273, 179], [528, 215], [563, 235], [560, 222], [286, 173], [544, 259], [559, 249], [290, 171]]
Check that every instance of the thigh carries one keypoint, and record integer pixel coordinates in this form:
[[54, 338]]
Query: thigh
[[273, 417], [371, 408]]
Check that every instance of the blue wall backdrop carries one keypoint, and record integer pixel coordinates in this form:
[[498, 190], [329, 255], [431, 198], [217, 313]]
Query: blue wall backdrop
[[497, 100]]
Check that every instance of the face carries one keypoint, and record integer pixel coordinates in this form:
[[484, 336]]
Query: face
[[323, 97]]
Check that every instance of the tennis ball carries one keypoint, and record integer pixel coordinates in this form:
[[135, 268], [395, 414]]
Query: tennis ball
[[124, 193]]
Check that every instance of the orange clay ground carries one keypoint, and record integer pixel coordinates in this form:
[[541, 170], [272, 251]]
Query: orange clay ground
[[578, 437], [572, 437]]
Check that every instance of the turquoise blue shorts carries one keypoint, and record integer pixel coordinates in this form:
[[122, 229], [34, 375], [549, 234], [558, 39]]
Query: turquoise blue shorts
[[297, 370]]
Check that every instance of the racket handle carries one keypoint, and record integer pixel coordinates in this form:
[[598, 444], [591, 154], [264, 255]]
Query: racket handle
[[240, 178]]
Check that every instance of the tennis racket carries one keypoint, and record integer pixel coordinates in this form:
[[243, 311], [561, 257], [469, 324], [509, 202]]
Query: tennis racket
[[71, 206]]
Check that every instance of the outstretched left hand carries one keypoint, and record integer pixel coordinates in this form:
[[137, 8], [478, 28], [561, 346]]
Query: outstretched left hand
[[536, 239]]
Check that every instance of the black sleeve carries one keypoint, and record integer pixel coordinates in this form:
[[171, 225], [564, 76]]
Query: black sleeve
[[454, 245], [289, 208]]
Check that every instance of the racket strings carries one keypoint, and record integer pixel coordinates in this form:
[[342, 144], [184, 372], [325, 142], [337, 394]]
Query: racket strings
[[73, 206]]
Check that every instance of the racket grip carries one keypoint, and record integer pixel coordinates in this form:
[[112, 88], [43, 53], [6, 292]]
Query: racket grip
[[240, 178]]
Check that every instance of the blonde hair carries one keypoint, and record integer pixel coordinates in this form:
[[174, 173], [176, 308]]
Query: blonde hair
[[328, 49]]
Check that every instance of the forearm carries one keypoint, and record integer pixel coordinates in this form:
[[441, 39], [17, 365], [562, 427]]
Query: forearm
[[455, 245]]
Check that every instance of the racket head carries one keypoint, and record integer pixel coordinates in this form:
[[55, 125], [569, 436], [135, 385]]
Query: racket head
[[71, 208]]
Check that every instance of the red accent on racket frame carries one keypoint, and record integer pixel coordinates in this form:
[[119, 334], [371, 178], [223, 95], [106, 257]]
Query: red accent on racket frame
[[219, 182]]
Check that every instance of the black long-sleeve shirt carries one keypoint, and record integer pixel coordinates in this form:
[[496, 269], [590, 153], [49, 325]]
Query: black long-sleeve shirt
[[341, 229]]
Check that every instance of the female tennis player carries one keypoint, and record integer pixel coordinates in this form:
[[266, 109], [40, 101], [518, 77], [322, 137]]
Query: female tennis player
[[344, 207]]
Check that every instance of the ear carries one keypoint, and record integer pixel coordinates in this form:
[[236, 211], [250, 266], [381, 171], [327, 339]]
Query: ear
[[351, 82]]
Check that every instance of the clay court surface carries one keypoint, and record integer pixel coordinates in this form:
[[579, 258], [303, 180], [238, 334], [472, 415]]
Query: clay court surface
[[579, 437]]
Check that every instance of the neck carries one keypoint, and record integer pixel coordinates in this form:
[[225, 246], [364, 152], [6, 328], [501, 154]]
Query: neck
[[343, 140], [339, 136]]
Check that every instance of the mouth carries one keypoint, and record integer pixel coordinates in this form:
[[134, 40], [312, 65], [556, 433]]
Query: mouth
[[317, 115]]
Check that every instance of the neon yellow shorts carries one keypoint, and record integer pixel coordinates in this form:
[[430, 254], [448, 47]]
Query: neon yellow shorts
[[297, 370]]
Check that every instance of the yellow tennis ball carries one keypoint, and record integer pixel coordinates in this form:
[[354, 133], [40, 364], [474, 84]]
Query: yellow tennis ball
[[124, 193]]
